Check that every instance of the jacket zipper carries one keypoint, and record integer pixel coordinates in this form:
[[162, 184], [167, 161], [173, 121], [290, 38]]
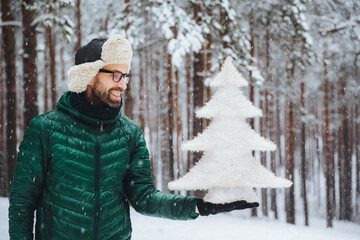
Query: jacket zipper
[[97, 181], [101, 126]]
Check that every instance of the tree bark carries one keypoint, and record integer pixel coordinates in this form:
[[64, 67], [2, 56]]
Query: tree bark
[[164, 133], [303, 158], [290, 165], [290, 159], [171, 111], [333, 142], [303, 151], [8, 34], [29, 64], [190, 111], [51, 61], [357, 154], [208, 57], [3, 164], [52, 58], [148, 84], [141, 117], [129, 99], [46, 69], [264, 128], [78, 25], [270, 112], [326, 132], [357, 145], [346, 161], [198, 84], [225, 29], [251, 79], [157, 123], [179, 159]]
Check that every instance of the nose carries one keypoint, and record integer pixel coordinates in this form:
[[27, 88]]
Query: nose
[[121, 84]]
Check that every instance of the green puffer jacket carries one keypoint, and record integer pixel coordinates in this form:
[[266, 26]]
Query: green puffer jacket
[[79, 173]]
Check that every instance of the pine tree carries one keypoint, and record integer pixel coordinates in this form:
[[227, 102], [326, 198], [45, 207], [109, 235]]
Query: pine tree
[[228, 168]]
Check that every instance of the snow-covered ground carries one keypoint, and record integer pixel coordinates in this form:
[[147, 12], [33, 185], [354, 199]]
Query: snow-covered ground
[[223, 226]]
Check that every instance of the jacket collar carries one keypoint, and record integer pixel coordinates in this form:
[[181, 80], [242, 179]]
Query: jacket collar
[[76, 105]]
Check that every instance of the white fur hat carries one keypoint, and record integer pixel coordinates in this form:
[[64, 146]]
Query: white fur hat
[[96, 54]]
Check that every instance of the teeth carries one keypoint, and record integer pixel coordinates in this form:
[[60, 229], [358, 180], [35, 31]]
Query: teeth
[[117, 94]]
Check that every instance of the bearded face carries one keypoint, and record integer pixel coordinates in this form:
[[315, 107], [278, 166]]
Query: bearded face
[[103, 90], [107, 96]]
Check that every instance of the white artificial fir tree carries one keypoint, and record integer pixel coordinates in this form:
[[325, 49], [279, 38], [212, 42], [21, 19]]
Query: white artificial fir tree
[[227, 169]]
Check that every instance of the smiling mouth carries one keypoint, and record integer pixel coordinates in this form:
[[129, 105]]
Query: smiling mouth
[[116, 93]]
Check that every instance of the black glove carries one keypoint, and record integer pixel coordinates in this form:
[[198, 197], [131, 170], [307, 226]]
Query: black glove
[[207, 208]]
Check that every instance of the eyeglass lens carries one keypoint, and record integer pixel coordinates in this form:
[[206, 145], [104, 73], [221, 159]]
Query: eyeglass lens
[[118, 76]]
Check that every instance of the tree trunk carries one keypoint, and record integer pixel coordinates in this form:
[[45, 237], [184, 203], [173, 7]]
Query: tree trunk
[[326, 130], [198, 84], [303, 150], [78, 25], [264, 128], [127, 13], [148, 85], [357, 154], [190, 105], [129, 99], [303, 158], [273, 137], [3, 164], [346, 161], [141, 117], [270, 112], [357, 146], [225, 30], [252, 53], [158, 123], [333, 142], [8, 33], [290, 159], [208, 57], [46, 69], [178, 123], [171, 111], [290, 165], [62, 65], [52, 58], [251, 80], [164, 133], [29, 64]]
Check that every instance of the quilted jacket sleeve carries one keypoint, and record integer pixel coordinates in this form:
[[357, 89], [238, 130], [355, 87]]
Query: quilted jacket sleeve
[[27, 182], [142, 194]]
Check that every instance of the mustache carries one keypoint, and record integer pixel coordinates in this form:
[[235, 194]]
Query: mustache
[[116, 89]]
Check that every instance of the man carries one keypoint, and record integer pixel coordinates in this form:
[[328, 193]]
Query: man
[[81, 165]]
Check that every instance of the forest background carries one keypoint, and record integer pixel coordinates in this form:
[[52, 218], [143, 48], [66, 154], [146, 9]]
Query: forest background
[[301, 58]]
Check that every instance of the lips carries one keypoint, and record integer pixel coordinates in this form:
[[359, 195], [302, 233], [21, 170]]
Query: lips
[[116, 93]]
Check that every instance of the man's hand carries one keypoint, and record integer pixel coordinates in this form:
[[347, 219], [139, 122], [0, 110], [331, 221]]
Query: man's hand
[[207, 208]]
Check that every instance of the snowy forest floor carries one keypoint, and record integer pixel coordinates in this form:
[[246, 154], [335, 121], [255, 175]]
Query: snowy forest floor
[[223, 226]]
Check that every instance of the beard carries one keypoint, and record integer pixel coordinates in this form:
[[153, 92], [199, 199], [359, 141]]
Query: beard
[[102, 95]]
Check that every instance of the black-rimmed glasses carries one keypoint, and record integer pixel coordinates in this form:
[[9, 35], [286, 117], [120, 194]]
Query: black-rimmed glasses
[[117, 75]]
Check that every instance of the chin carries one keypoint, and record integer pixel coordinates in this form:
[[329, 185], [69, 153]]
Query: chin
[[114, 104]]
